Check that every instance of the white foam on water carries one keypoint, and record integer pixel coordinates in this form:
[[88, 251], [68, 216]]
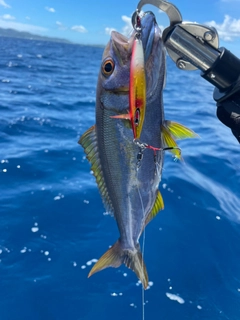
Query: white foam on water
[[34, 229], [175, 297], [46, 253], [23, 250], [150, 284], [199, 307], [114, 294], [57, 198]]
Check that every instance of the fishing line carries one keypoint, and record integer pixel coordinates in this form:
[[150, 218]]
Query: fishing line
[[143, 249]]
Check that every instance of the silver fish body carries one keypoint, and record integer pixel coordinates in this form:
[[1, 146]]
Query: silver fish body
[[128, 179]]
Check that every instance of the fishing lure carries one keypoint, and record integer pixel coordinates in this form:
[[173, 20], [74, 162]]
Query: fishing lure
[[137, 88], [137, 85]]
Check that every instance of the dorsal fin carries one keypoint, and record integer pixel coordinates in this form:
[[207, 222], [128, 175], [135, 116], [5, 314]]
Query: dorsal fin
[[89, 143], [158, 205]]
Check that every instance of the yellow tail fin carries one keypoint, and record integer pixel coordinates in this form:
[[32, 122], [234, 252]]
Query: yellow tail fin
[[115, 256]]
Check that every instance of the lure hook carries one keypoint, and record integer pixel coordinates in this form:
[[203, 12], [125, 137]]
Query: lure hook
[[136, 23]]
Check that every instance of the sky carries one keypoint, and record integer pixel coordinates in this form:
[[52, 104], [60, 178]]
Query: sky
[[91, 22]]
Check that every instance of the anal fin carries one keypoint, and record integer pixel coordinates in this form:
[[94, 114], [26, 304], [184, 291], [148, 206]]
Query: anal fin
[[158, 205]]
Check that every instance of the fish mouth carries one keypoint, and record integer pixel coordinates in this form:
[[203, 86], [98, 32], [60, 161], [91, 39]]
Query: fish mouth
[[123, 46], [149, 32]]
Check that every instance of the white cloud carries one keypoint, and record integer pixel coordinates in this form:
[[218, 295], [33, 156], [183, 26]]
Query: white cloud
[[80, 29], [3, 3], [7, 24], [50, 9], [8, 17], [228, 30], [127, 29], [61, 26], [109, 30]]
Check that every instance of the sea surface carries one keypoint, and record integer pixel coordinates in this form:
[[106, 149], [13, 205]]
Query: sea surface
[[53, 225]]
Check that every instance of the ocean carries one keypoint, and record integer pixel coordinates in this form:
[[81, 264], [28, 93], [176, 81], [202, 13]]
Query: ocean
[[53, 225]]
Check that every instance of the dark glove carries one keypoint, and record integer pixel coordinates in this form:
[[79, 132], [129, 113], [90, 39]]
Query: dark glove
[[228, 111]]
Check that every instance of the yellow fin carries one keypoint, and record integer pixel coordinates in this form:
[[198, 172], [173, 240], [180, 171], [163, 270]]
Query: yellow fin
[[179, 131], [89, 142], [111, 258], [115, 256], [158, 205], [169, 142]]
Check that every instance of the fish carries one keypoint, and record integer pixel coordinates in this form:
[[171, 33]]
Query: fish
[[128, 171]]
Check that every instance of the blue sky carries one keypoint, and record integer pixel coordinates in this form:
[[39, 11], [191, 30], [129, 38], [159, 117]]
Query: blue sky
[[90, 21]]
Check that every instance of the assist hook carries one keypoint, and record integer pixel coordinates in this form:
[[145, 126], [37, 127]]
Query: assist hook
[[171, 10]]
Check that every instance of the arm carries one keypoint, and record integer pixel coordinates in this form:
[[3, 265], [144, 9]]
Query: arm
[[194, 46]]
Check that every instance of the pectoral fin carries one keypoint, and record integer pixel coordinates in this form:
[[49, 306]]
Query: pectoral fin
[[122, 116]]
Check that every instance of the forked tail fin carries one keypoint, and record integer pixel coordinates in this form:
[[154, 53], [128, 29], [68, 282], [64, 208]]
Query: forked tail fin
[[115, 256]]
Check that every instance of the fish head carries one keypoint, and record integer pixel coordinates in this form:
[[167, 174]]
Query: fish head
[[114, 76]]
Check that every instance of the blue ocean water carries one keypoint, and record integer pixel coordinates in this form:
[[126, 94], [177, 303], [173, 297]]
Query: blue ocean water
[[53, 224]]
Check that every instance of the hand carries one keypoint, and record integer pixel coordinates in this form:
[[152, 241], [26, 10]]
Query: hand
[[228, 112]]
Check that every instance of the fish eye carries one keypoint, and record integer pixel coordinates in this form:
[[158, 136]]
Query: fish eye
[[108, 67]]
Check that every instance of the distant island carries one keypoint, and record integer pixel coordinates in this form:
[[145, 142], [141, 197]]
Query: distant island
[[11, 33]]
